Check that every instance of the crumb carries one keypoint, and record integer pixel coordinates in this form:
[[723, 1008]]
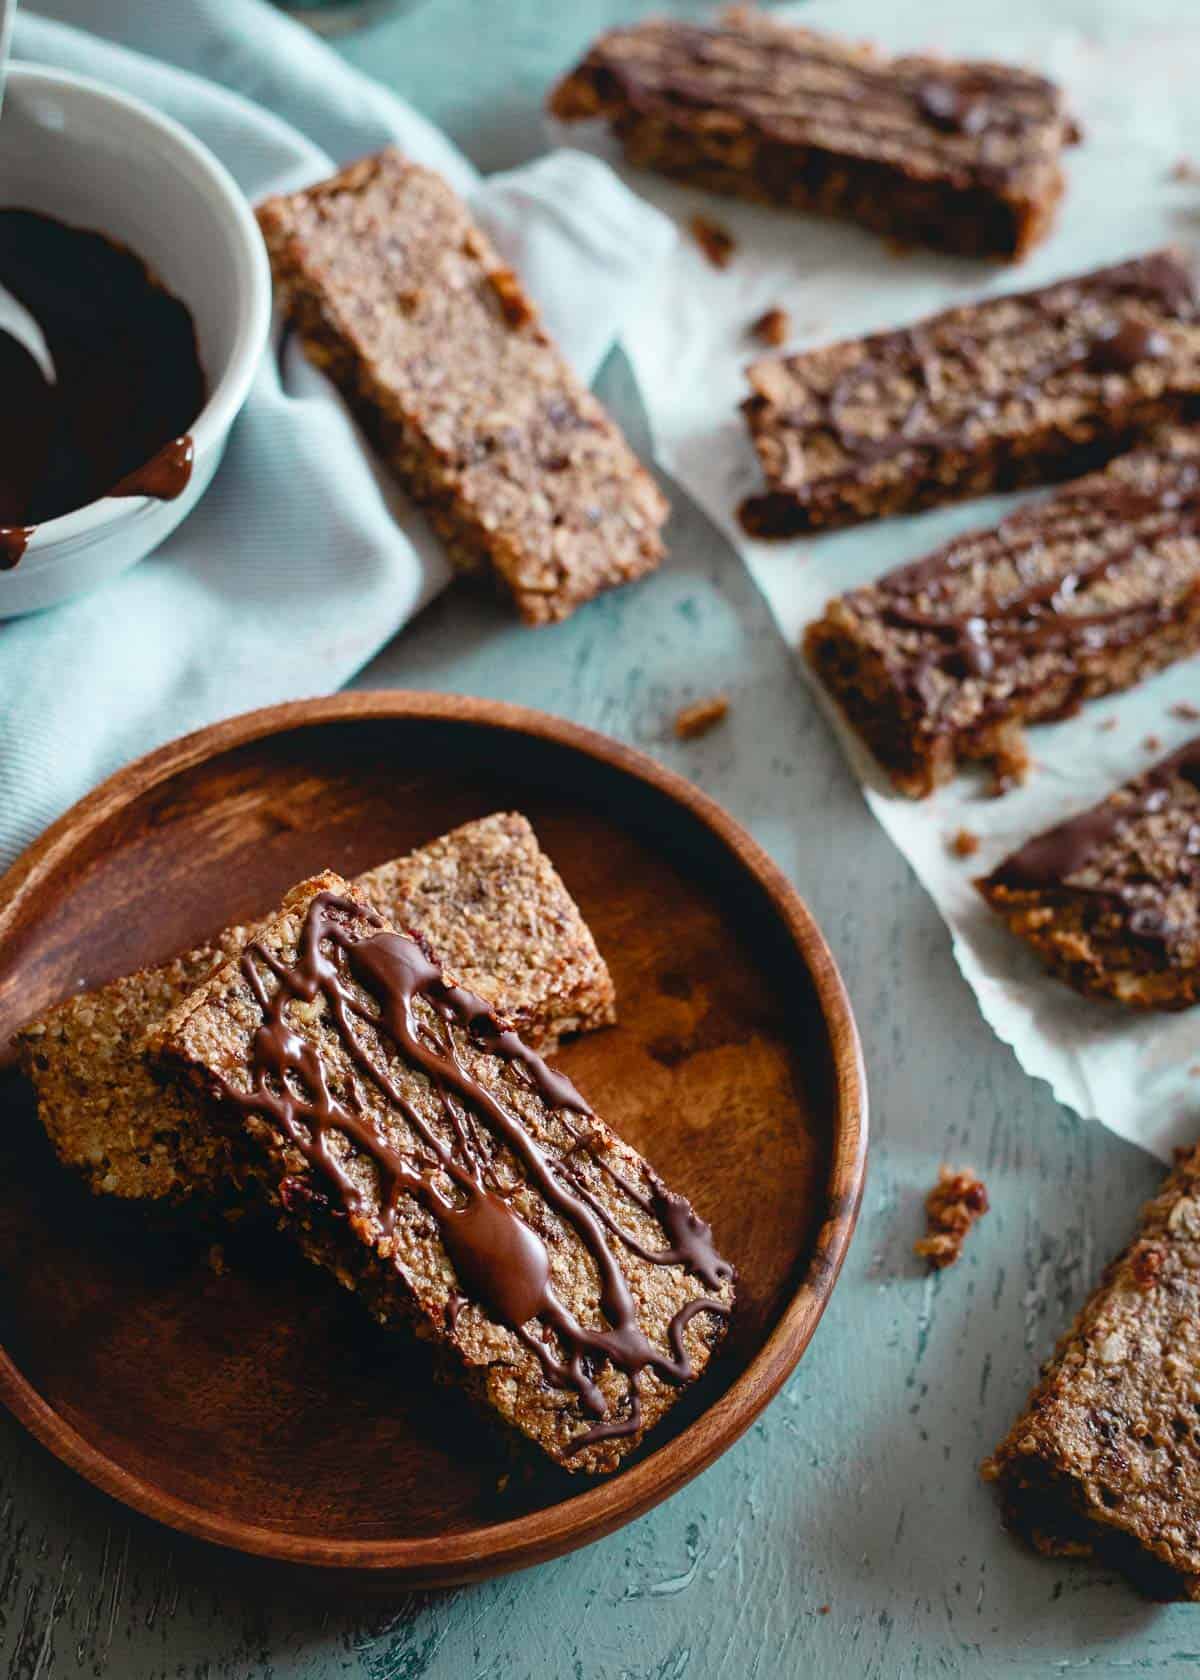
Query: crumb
[[1185, 169], [1194, 1071], [717, 243], [701, 716], [1152, 744], [965, 843], [502, 1482], [773, 326], [1185, 711], [956, 1201], [1106, 725], [216, 1260], [823, 1610]]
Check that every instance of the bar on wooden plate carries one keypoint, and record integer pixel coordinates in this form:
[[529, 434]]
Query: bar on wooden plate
[[419, 1150], [1022, 389], [444, 361], [961, 155], [1070, 598], [1105, 1460], [485, 897], [1110, 900]]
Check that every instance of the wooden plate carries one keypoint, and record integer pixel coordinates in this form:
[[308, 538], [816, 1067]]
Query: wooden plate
[[255, 1407]]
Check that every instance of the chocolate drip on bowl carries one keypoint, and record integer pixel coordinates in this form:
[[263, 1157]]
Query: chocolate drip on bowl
[[128, 385]]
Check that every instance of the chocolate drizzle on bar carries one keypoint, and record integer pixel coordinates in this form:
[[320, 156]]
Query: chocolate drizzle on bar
[[918, 358], [1049, 611], [789, 84], [500, 1260], [1051, 859]]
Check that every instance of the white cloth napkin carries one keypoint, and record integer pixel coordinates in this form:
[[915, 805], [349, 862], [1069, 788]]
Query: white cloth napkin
[[1130, 74], [302, 560]]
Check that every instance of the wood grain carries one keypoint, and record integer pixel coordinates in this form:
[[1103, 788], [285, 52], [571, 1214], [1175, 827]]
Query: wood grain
[[254, 1407]]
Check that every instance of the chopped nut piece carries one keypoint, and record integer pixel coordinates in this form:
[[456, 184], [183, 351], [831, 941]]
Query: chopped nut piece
[[517, 309], [1185, 711], [956, 1201], [773, 327], [1152, 744], [717, 243], [965, 843], [701, 716], [1146, 1265], [1185, 169]]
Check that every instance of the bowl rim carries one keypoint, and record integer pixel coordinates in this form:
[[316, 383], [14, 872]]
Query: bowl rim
[[494, 1548], [227, 395]]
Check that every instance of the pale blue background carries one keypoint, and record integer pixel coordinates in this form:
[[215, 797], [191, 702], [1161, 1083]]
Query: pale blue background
[[857, 1490]]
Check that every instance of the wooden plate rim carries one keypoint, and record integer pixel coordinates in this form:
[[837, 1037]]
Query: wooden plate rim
[[475, 1553]]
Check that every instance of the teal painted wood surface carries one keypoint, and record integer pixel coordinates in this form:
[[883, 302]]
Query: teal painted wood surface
[[848, 1534]]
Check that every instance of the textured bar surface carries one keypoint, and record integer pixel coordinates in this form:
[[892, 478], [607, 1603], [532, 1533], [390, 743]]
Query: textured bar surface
[[1111, 899], [443, 359], [486, 898], [457, 1185], [1072, 597], [1027, 388], [1105, 1460], [961, 156]]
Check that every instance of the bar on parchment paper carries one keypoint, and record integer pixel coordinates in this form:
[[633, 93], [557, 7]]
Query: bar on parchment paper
[[963, 156], [1110, 900], [1070, 598], [1020, 389]]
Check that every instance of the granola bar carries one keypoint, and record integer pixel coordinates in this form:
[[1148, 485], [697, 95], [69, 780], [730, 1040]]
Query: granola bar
[[486, 898], [962, 156], [1105, 1460], [415, 1147], [1111, 899], [444, 361], [1027, 388], [1068, 599]]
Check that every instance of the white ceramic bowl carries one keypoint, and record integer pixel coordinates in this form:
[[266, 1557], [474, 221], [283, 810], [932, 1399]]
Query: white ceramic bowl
[[74, 149]]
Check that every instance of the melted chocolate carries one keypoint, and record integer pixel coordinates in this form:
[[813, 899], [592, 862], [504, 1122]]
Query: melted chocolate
[[499, 1259], [1052, 858], [128, 379]]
